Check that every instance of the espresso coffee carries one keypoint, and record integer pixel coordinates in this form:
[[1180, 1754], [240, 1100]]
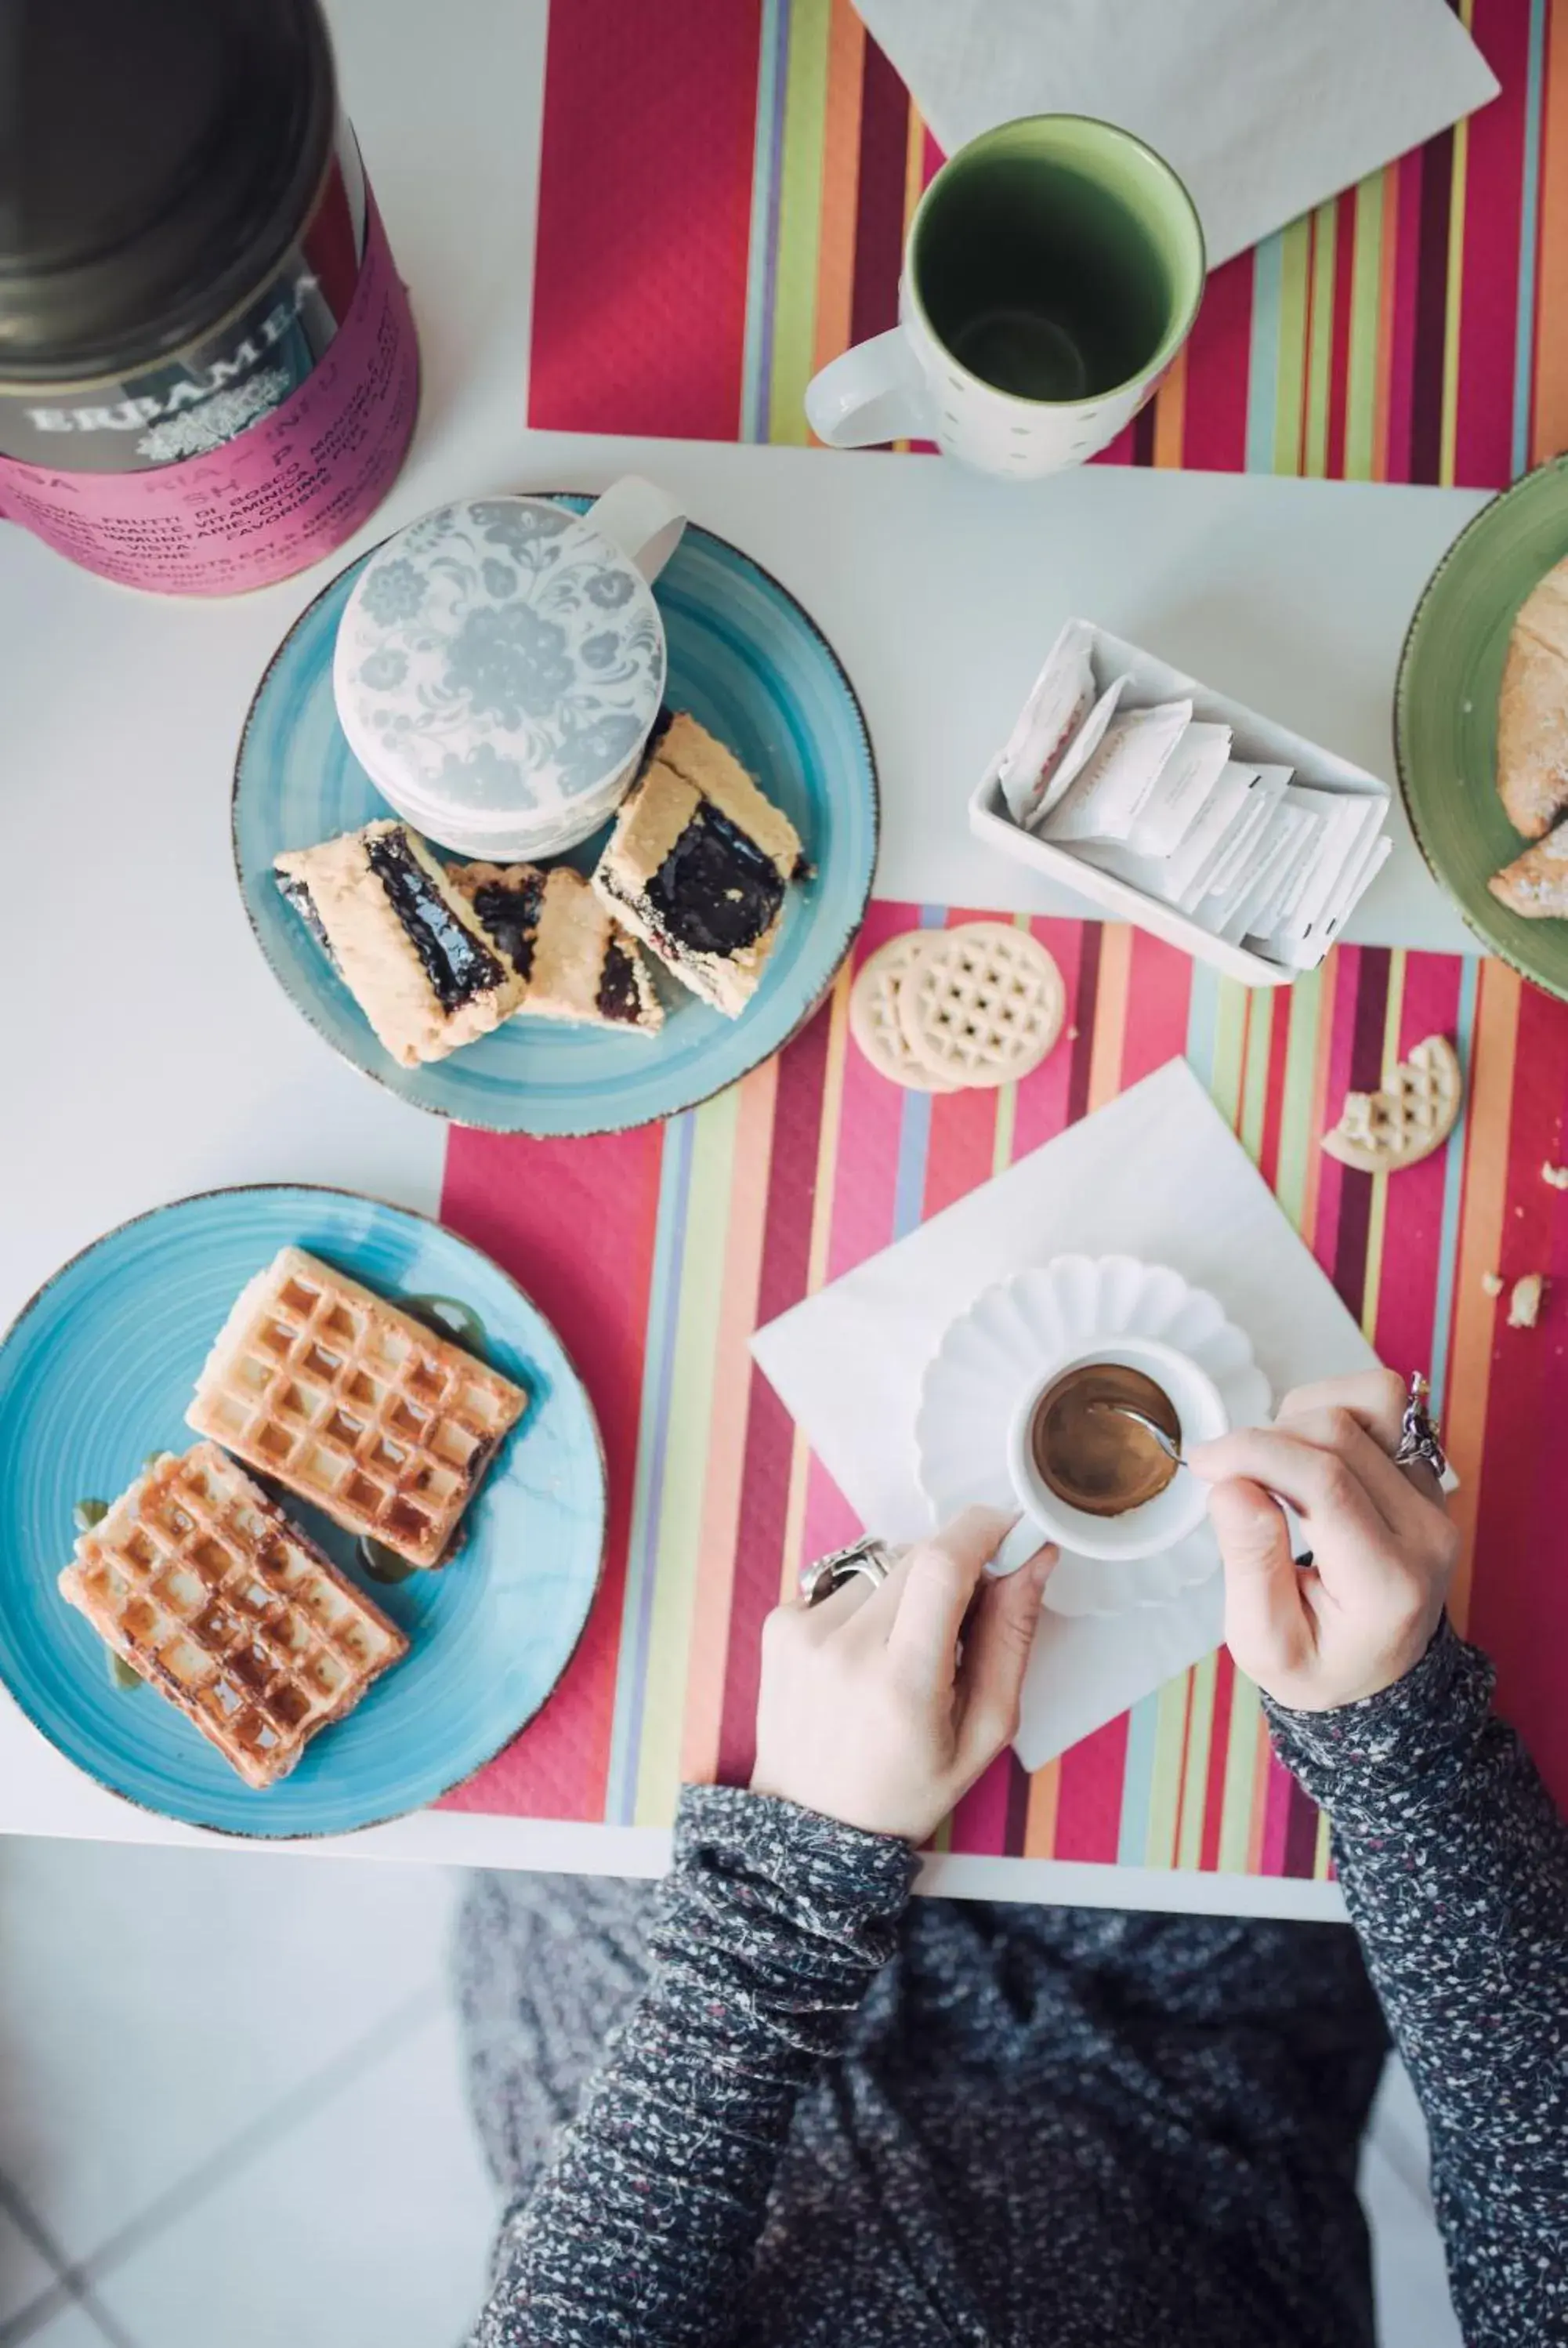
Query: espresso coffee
[[1097, 1458]]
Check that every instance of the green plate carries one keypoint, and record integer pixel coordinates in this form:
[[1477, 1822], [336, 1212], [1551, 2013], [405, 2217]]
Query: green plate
[[1444, 711]]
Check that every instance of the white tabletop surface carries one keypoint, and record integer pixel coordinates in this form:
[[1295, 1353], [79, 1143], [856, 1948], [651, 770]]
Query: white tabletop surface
[[155, 1057]]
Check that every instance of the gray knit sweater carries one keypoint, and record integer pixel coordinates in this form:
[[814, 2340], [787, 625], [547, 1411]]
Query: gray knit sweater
[[825, 2118]]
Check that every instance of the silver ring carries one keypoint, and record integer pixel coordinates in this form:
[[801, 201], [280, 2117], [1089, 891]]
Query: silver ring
[[871, 1557], [1419, 1439]]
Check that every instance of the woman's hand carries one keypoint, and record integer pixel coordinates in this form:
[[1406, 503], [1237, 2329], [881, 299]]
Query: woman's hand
[[867, 1713], [1382, 1547]]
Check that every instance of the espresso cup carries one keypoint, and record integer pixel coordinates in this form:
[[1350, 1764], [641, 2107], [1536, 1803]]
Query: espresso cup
[[1053, 270], [1159, 1523]]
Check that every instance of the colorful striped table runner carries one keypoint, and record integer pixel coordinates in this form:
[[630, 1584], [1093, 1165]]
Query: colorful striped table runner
[[659, 1251], [690, 276]]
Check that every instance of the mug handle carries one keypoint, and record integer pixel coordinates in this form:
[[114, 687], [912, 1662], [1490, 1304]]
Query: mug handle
[[1018, 1548], [875, 392], [642, 520]]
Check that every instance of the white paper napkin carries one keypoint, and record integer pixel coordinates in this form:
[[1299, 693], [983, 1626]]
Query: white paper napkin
[[1157, 1173], [1265, 107]]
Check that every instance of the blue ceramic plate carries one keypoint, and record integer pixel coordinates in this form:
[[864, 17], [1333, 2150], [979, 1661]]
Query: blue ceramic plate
[[96, 1374], [747, 663]]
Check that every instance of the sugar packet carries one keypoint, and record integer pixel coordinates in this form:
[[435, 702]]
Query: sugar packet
[[1060, 700], [1183, 787], [1109, 793]]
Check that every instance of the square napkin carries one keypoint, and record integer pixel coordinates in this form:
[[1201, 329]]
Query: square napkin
[[1265, 107], [1157, 1173]]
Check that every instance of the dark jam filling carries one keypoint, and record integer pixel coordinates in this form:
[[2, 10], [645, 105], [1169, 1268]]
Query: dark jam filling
[[295, 893], [511, 917], [618, 997], [716, 892], [456, 964]]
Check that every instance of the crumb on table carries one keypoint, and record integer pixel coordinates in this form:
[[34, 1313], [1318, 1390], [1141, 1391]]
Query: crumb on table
[[1524, 1304], [1493, 1282], [1555, 1176]]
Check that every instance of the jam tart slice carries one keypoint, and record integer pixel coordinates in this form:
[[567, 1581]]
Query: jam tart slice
[[409, 947], [698, 866], [575, 961]]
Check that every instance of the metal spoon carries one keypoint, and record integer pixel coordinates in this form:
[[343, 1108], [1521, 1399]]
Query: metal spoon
[[1167, 1443]]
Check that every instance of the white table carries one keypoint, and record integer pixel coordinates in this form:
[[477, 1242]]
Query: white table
[[158, 1058]]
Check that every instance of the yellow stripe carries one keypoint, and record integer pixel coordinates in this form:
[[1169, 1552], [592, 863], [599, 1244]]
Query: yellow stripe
[[698, 1313], [1110, 1013], [1455, 286], [1195, 1776], [1230, 1046], [1377, 1215], [1320, 1856], [800, 221]]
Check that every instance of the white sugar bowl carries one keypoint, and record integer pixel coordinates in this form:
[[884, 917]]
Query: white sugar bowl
[[501, 664]]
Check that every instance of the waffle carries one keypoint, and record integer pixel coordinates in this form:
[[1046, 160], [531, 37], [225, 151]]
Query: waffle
[[1381, 1132], [203, 1586], [983, 1005], [333, 1392]]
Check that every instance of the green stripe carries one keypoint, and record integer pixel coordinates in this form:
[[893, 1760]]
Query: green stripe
[[1226, 1064], [1297, 1139], [1255, 1080], [690, 1417], [1165, 1773], [799, 220], [1365, 320], [1320, 355], [1296, 243]]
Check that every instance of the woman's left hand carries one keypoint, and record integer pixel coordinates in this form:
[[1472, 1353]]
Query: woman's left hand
[[867, 1713]]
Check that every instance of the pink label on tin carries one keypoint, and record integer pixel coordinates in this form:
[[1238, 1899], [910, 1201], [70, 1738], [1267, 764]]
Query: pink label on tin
[[271, 500]]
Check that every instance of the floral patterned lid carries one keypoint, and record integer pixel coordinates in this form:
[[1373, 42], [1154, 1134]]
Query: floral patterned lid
[[499, 662]]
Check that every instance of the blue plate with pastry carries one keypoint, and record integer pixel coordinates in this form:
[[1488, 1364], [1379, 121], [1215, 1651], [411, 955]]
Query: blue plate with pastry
[[624, 975]]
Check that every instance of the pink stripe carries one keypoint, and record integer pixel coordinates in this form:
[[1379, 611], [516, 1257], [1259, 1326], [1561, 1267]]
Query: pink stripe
[[980, 1821], [1494, 157], [1041, 1111], [1088, 1802], [871, 1109], [1158, 995], [1277, 1818]]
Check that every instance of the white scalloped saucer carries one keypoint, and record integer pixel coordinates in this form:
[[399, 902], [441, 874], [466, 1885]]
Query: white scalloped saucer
[[993, 1354]]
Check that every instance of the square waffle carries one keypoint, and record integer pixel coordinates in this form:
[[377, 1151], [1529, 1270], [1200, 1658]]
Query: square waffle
[[355, 1405], [203, 1586]]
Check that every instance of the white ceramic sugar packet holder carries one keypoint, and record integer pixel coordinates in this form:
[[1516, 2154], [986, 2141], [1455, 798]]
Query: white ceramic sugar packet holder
[[1255, 739]]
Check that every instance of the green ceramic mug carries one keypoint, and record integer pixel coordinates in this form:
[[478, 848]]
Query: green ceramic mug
[[1053, 270]]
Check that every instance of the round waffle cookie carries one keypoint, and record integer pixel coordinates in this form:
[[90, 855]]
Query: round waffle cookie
[[873, 1012], [1411, 1116], [982, 1006]]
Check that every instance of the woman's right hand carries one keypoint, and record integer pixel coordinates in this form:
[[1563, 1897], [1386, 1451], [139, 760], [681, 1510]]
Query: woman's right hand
[[1383, 1548]]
